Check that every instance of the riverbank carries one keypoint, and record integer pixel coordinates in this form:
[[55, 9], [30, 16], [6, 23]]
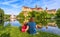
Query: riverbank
[[15, 32]]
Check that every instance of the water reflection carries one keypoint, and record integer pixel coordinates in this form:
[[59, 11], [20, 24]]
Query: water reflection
[[50, 29], [1, 22], [58, 23], [13, 23]]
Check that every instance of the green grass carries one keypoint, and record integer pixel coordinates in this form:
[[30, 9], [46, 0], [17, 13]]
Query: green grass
[[15, 32]]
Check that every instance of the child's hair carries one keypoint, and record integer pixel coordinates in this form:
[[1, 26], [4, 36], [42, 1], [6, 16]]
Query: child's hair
[[25, 23], [31, 19]]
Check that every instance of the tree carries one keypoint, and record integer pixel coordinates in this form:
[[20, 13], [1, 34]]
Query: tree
[[6, 16], [1, 16], [32, 14], [21, 16], [39, 16], [58, 23], [42, 16], [50, 15], [58, 13]]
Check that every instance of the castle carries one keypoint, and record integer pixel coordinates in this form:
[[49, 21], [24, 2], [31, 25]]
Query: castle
[[28, 9]]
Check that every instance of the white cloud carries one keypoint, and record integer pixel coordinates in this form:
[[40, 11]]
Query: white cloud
[[8, 3], [12, 11], [53, 4], [50, 4]]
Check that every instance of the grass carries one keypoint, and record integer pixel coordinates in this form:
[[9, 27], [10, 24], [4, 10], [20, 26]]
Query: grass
[[15, 32]]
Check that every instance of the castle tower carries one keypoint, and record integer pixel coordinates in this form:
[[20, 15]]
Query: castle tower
[[46, 8], [36, 6]]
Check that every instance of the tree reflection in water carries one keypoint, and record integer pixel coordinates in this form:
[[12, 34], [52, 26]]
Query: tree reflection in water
[[58, 23]]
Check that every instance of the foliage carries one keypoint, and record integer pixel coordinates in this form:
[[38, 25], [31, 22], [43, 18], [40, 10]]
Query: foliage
[[21, 15], [58, 13], [58, 23], [21, 20], [50, 15], [1, 14], [4, 31], [6, 16], [32, 14], [39, 16]]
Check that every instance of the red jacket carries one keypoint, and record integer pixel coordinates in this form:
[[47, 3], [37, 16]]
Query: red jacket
[[24, 28]]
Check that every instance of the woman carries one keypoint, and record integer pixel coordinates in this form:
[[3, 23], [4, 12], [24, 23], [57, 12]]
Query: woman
[[31, 27]]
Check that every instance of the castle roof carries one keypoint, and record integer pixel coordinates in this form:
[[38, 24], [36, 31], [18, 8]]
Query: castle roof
[[25, 7], [33, 8], [52, 10]]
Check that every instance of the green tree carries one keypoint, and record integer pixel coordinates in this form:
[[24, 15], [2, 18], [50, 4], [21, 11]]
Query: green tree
[[1, 14], [21, 17], [58, 13], [40, 17], [32, 14], [58, 23], [6, 16]]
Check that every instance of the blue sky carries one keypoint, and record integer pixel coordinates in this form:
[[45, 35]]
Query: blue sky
[[15, 6]]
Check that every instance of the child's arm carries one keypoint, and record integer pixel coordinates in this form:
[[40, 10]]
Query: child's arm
[[27, 28], [36, 26]]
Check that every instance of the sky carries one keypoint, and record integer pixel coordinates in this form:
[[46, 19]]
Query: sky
[[15, 6]]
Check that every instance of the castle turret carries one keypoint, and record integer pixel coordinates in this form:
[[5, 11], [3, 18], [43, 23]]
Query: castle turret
[[46, 8], [36, 6]]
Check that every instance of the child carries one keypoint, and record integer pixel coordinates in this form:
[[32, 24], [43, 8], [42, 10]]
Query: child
[[24, 27]]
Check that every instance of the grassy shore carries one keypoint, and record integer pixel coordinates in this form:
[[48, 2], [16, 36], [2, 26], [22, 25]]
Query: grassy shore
[[15, 32]]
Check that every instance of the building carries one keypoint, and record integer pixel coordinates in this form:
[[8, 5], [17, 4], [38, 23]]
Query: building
[[52, 11], [12, 17], [28, 9]]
